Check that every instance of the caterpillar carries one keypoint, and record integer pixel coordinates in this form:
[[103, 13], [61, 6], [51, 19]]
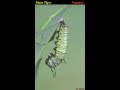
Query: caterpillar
[[60, 50]]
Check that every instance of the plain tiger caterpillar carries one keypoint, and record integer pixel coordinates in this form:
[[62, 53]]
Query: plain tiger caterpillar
[[60, 50]]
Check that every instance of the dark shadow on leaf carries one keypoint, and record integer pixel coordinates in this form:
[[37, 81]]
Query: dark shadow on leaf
[[53, 36]]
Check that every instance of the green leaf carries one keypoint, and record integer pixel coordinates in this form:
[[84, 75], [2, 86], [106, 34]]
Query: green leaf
[[37, 67], [54, 18]]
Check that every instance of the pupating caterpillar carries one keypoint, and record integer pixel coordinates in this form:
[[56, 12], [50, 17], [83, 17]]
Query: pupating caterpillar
[[60, 50]]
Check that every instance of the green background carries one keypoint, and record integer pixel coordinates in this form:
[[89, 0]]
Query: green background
[[72, 74]]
